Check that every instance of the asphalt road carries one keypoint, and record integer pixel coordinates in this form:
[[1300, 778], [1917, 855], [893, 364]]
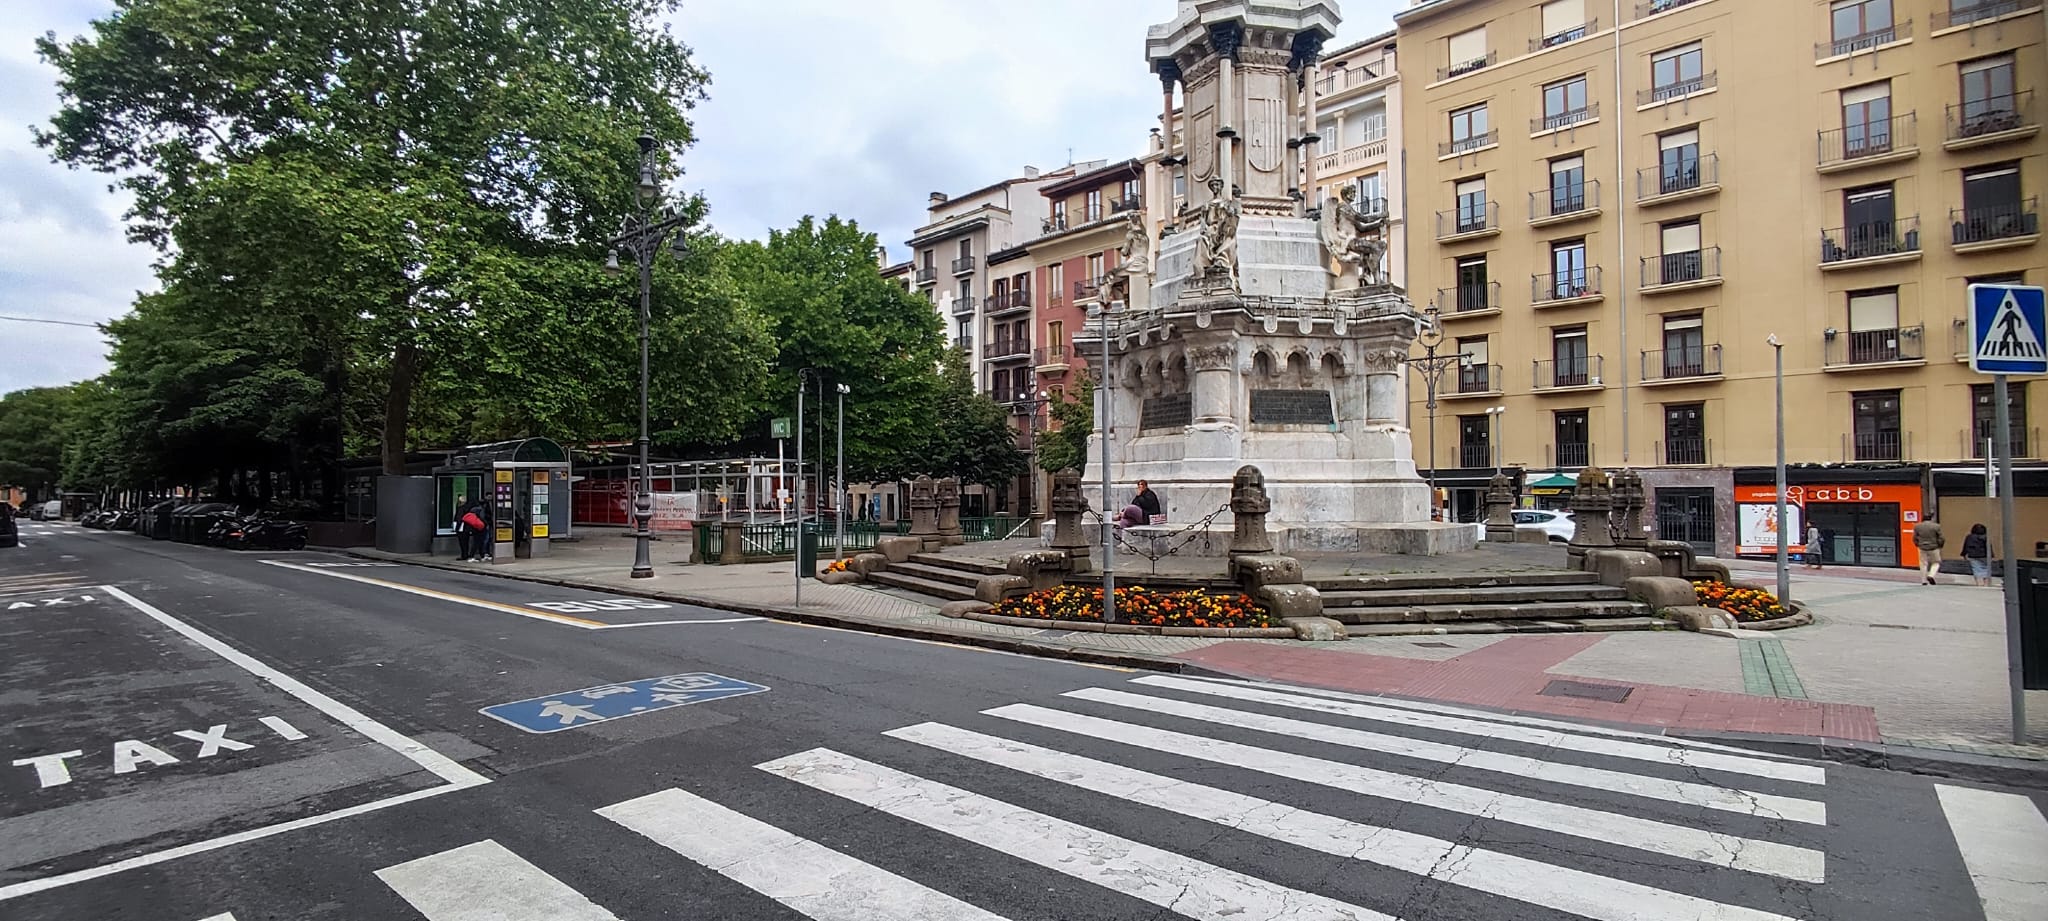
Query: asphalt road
[[192, 734]]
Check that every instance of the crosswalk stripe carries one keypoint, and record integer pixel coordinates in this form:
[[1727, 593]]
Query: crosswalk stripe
[[1707, 847], [1180, 884], [1677, 791], [2004, 841], [1662, 754], [1546, 885], [815, 880], [487, 882]]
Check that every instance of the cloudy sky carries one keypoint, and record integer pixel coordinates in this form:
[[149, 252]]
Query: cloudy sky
[[856, 108]]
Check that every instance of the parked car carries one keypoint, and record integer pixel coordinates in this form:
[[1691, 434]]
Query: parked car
[[53, 510], [1557, 526]]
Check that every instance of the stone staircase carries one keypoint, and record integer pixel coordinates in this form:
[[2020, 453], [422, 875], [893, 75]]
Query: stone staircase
[[937, 577], [1528, 602]]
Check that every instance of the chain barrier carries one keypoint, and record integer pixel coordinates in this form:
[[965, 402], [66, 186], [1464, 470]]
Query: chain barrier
[[1174, 541]]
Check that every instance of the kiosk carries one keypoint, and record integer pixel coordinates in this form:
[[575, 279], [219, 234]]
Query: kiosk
[[518, 481]]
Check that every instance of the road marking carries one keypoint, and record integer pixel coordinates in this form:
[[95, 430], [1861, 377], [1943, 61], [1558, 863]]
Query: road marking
[[821, 883], [667, 623], [213, 740], [1182, 885], [288, 731], [1677, 791], [1561, 888], [223, 916], [512, 609], [1738, 764], [130, 753], [2004, 841], [51, 771], [1707, 847], [487, 882]]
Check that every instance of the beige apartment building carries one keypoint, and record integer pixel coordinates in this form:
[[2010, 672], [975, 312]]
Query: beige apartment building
[[950, 262], [1357, 91], [1616, 204]]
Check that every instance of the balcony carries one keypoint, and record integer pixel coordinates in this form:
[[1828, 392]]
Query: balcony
[[1669, 92], [1856, 146], [1120, 205], [1573, 34], [1475, 381], [963, 305], [1465, 67], [1685, 451], [927, 274], [1872, 348], [1966, 12], [1688, 363], [1374, 148], [1475, 455], [1572, 455], [1011, 397], [1564, 289], [1654, 7], [1559, 120], [963, 265], [1002, 349], [1993, 120], [2021, 442], [1877, 446], [1582, 373], [1873, 243], [1669, 272], [1003, 303], [1974, 230], [1053, 357], [1090, 288], [1564, 203], [965, 344], [1462, 146], [1476, 300], [1684, 178], [1054, 224], [1339, 80], [1875, 38], [1466, 223]]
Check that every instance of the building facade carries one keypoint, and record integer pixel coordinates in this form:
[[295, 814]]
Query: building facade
[[1358, 111], [950, 258], [1617, 204]]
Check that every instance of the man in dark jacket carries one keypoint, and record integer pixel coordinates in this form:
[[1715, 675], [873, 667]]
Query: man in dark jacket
[[1147, 500]]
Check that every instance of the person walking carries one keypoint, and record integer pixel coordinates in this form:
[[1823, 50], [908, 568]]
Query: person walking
[[1147, 501], [469, 532], [1816, 546], [1927, 537], [1977, 550]]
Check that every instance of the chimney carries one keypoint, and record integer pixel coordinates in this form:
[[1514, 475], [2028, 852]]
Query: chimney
[[1030, 172], [938, 198]]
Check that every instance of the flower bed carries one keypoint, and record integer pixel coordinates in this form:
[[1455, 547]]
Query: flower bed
[[1141, 606], [838, 566], [1743, 604]]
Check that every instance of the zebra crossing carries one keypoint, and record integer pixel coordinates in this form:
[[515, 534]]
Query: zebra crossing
[[37, 583], [1437, 798]]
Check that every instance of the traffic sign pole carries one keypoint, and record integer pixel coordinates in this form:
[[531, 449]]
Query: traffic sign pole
[[2008, 327], [2001, 445]]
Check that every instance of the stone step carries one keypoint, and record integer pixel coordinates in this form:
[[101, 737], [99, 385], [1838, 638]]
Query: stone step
[[1490, 594], [961, 563], [931, 573], [943, 591], [1424, 580], [1455, 613], [1571, 625]]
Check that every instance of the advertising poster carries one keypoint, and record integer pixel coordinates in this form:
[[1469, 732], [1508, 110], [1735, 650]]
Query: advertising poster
[[673, 511]]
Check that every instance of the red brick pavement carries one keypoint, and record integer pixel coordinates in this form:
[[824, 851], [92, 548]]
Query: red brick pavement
[[1508, 674]]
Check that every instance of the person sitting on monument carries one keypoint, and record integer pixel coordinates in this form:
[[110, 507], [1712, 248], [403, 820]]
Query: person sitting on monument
[[1147, 500], [1132, 517]]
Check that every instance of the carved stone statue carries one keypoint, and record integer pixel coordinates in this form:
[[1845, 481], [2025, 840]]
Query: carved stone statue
[[1135, 255], [1217, 253], [1353, 240]]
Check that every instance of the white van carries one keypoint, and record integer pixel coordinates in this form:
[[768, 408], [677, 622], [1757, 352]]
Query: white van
[[53, 510]]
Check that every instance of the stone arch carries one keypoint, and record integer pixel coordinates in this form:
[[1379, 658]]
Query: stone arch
[[1262, 363], [1177, 373], [1298, 367], [1333, 364]]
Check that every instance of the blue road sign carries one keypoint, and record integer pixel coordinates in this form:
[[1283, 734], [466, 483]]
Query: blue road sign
[[2008, 330], [570, 709]]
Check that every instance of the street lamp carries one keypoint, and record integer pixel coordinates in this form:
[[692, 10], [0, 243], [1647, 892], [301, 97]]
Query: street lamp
[[1099, 311], [1784, 540], [799, 567], [839, 495], [642, 237], [1431, 366], [1493, 413]]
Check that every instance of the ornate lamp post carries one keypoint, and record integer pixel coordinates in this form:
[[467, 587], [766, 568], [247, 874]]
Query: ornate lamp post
[[642, 238], [1432, 366]]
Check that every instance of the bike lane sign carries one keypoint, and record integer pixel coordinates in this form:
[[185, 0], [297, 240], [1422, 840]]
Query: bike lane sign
[[605, 702], [2008, 330]]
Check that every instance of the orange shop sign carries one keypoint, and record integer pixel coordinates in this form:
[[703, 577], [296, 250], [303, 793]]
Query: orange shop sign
[[1757, 505]]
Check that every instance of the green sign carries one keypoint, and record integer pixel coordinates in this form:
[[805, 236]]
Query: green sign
[[779, 427]]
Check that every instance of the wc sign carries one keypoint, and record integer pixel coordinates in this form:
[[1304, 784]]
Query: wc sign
[[2008, 330]]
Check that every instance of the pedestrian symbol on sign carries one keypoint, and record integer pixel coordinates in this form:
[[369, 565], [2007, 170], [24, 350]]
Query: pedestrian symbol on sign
[[2006, 327]]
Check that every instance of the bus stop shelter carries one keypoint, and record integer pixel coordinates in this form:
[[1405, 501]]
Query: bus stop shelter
[[519, 482]]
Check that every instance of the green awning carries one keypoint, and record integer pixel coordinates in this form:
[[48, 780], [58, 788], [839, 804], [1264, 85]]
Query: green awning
[[1555, 481]]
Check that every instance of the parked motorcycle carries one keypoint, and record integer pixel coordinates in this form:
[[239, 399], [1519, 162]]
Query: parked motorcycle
[[264, 531]]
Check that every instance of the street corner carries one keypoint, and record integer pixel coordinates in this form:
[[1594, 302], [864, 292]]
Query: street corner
[[482, 591]]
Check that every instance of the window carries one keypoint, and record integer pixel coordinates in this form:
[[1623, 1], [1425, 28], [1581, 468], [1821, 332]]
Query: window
[[1372, 126], [1568, 185], [1474, 373], [1568, 357], [1993, 189], [965, 335], [1685, 433], [1679, 257], [1859, 24], [1469, 130], [966, 249], [1056, 338], [1866, 120], [928, 256], [1873, 325], [1130, 193], [1059, 215], [1094, 204], [1676, 72], [1568, 270], [1685, 347], [1572, 433], [1094, 268], [1870, 220], [1056, 282], [1472, 288], [1564, 103], [1472, 214], [966, 290], [1467, 52], [1180, 183], [1678, 161], [1563, 21], [1475, 441], [1876, 420], [1372, 193], [1987, 95], [1984, 418]]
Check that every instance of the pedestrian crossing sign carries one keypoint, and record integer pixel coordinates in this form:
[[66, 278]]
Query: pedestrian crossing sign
[[2008, 330]]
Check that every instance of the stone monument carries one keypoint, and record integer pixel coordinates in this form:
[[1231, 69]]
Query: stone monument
[[1251, 349]]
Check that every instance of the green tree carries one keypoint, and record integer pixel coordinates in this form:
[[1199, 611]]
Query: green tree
[[1066, 446], [32, 428], [973, 440]]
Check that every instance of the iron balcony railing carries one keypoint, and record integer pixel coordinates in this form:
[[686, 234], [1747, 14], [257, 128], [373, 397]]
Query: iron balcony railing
[[1090, 287], [1468, 298], [927, 274], [1986, 223], [1896, 32], [1467, 144], [1869, 139], [1879, 446], [1565, 119], [1964, 12], [1685, 450], [1475, 455], [1654, 7], [1682, 363], [965, 344], [1128, 203], [1008, 348], [1572, 34], [1050, 355], [2020, 441], [1563, 286], [1870, 240], [963, 305], [1702, 264], [1008, 396], [1565, 199], [963, 265], [1681, 175], [1003, 302], [1873, 346], [1479, 378], [1572, 454], [1462, 220], [1465, 67], [1372, 207], [1678, 89], [1973, 118], [1054, 224], [1582, 371]]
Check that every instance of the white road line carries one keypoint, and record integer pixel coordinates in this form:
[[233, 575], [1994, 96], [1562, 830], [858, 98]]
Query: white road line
[[2004, 841], [809, 877], [512, 609], [667, 623], [1677, 791], [487, 882], [1183, 885], [1567, 890], [1661, 754], [1681, 841], [223, 916]]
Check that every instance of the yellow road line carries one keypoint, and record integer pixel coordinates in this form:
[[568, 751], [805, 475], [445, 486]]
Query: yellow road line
[[564, 619]]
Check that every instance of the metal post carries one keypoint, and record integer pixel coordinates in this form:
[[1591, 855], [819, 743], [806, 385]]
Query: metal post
[[643, 504], [1108, 523], [799, 567], [2001, 443], [839, 497], [1784, 538]]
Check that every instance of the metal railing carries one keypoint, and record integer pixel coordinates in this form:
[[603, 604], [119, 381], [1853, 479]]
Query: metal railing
[[927, 274], [1053, 224], [1344, 79], [1654, 7], [1986, 223], [1009, 396], [963, 304], [1465, 67], [1479, 378], [1681, 363], [1583, 371], [2020, 441], [1572, 34], [1870, 139], [1478, 455], [1703, 264], [1683, 176], [1565, 119], [965, 344], [1003, 302], [1468, 220], [1007, 348], [1870, 240], [1964, 12], [1089, 287], [1685, 451], [1567, 199], [1049, 355], [1678, 89], [1990, 115], [1873, 347], [1897, 31], [1467, 144], [1468, 298], [1878, 446], [963, 265], [1564, 286], [1571, 454], [1128, 203]]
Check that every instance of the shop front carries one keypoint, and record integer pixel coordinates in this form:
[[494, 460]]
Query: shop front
[[1552, 493], [1861, 524]]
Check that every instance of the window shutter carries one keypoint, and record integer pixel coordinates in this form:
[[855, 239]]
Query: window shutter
[[1682, 238], [1567, 165], [1468, 46], [1676, 139], [1879, 310], [1563, 15], [1866, 93]]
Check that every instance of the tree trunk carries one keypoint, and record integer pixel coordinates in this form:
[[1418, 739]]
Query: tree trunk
[[398, 406]]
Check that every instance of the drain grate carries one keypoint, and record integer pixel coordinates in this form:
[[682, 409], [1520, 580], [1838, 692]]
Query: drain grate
[[1613, 694], [1436, 645]]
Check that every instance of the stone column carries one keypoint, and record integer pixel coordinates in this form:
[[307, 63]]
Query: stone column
[[1248, 508], [924, 513], [1383, 387], [1628, 495], [1068, 534], [731, 547], [1227, 37], [1310, 133], [949, 512], [1592, 502], [1213, 382], [1500, 505]]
